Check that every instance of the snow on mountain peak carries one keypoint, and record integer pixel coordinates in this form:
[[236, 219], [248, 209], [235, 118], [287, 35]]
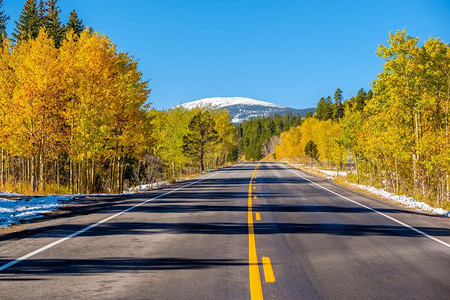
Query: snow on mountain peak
[[220, 102], [241, 109]]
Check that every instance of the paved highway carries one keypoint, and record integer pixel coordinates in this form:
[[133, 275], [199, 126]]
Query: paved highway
[[247, 231]]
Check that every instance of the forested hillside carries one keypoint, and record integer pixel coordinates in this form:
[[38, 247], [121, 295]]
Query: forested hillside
[[74, 115], [258, 136], [396, 137]]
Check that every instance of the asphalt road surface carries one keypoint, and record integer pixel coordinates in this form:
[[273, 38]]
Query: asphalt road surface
[[237, 233]]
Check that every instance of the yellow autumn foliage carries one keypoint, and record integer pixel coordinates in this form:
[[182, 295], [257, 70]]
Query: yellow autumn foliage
[[400, 138], [325, 134]]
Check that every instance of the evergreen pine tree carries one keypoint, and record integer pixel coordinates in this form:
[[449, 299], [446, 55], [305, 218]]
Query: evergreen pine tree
[[52, 23], [3, 19], [201, 134], [338, 108], [312, 152], [324, 110], [369, 95], [29, 22], [360, 99], [41, 12], [75, 23], [329, 111]]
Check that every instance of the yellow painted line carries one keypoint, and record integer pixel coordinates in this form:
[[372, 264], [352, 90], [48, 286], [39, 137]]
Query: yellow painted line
[[268, 271], [258, 216], [253, 268], [254, 197]]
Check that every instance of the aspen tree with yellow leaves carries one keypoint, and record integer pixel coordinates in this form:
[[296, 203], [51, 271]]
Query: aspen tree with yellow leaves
[[38, 97], [397, 137], [104, 112], [75, 119], [7, 85], [74, 115]]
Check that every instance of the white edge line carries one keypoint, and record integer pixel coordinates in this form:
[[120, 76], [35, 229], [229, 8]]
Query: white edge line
[[18, 260], [374, 210]]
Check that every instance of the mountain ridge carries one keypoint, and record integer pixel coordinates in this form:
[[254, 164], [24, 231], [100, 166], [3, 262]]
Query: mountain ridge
[[242, 108]]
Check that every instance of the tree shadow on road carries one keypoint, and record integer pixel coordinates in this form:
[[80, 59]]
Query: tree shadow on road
[[108, 265], [261, 228]]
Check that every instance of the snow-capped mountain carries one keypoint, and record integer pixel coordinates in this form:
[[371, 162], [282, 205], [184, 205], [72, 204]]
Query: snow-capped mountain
[[242, 109], [220, 102]]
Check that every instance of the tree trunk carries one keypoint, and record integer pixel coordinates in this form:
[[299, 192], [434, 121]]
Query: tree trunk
[[92, 176], [86, 176], [57, 172], [117, 184], [28, 172], [79, 183], [2, 171], [121, 174], [414, 173], [41, 171], [71, 176], [396, 177], [33, 174], [201, 159]]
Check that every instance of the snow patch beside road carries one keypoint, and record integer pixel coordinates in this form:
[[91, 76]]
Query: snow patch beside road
[[402, 199], [156, 185], [14, 211], [332, 174], [9, 194], [25, 208], [149, 187]]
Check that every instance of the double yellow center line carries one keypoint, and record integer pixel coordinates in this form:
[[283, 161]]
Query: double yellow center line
[[255, 278]]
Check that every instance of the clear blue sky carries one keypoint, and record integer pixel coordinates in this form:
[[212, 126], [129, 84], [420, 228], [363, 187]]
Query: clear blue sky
[[287, 52]]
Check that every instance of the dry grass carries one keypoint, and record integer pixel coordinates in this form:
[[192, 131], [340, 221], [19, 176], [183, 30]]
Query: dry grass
[[22, 188]]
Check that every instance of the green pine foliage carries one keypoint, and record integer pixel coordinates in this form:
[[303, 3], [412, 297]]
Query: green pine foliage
[[324, 110], [75, 23], [45, 14], [359, 101], [311, 151], [328, 111], [176, 143], [52, 22], [41, 12], [3, 19], [29, 22], [257, 132], [338, 108], [202, 134]]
